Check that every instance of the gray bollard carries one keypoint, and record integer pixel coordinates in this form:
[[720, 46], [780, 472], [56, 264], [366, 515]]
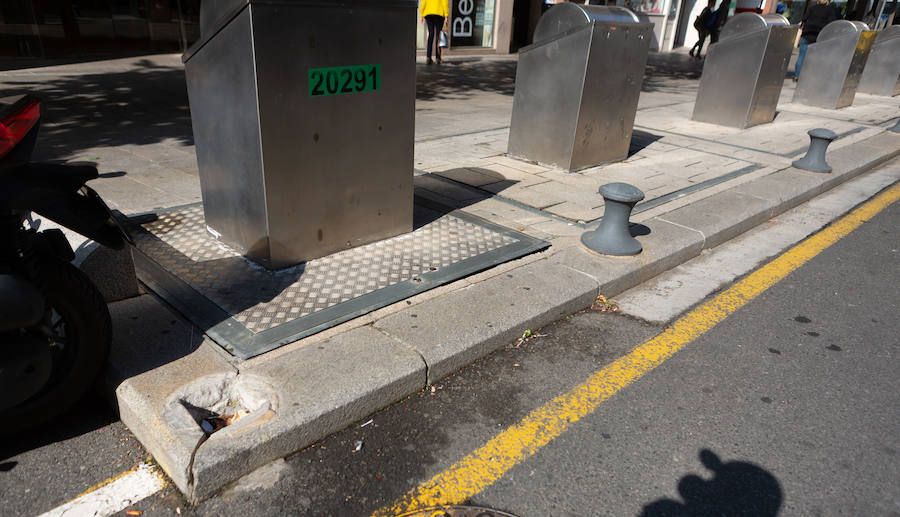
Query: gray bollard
[[896, 128], [612, 236], [814, 160]]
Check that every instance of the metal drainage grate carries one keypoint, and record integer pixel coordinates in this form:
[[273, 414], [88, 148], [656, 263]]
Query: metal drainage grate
[[249, 310]]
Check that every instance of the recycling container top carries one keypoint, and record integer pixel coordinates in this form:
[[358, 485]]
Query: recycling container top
[[840, 28], [565, 16], [746, 23]]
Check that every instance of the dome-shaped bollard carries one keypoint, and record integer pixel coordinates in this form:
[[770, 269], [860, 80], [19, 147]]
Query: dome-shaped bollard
[[814, 160], [612, 236], [896, 128]]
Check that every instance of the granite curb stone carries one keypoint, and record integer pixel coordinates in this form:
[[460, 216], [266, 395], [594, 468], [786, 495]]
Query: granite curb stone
[[321, 389], [466, 325], [154, 353]]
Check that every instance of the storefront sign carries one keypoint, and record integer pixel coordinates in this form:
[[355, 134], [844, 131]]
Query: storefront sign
[[463, 26]]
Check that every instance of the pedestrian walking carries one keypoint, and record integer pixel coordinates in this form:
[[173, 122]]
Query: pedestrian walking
[[815, 19], [701, 23], [433, 13], [717, 21]]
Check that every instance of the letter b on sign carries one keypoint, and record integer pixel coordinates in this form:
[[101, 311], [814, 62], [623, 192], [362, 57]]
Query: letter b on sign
[[462, 27]]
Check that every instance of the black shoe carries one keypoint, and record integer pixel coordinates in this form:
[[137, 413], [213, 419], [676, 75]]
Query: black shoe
[[429, 61]]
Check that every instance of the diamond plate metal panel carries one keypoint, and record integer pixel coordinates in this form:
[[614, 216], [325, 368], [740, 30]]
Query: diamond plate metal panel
[[261, 301]]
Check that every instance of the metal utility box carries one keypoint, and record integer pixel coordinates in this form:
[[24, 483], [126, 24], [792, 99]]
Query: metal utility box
[[744, 72], [881, 76], [577, 86], [834, 64], [303, 114]]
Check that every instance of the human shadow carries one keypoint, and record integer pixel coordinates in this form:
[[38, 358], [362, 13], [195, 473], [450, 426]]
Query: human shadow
[[737, 488]]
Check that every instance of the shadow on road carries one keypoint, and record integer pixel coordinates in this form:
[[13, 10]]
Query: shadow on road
[[90, 413], [736, 488]]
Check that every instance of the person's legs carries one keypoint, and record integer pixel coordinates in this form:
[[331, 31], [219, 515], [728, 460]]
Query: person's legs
[[432, 36], [698, 47], [800, 56], [700, 43], [438, 26]]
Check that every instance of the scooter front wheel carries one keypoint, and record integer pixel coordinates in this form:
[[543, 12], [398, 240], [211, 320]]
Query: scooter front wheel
[[78, 330]]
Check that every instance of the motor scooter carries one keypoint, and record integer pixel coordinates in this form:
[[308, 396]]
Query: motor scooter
[[55, 329]]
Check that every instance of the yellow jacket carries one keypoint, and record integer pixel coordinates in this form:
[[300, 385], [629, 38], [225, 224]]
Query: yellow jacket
[[438, 7]]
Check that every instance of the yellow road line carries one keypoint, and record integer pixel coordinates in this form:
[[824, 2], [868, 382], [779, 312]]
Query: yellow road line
[[483, 467]]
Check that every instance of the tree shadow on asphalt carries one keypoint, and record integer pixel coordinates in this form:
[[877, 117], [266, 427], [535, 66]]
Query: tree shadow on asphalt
[[736, 488], [144, 105]]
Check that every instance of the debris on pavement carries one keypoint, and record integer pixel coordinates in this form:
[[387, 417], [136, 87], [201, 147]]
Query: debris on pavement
[[601, 304], [358, 447], [367, 423], [527, 336], [214, 423]]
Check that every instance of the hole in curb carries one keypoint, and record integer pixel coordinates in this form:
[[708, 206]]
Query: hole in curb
[[227, 401], [212, 421]]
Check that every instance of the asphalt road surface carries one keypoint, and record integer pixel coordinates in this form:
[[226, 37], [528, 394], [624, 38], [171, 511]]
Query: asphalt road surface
[[790, 406]]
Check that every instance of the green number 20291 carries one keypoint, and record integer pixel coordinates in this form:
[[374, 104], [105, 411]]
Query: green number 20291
[[344, 79]]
